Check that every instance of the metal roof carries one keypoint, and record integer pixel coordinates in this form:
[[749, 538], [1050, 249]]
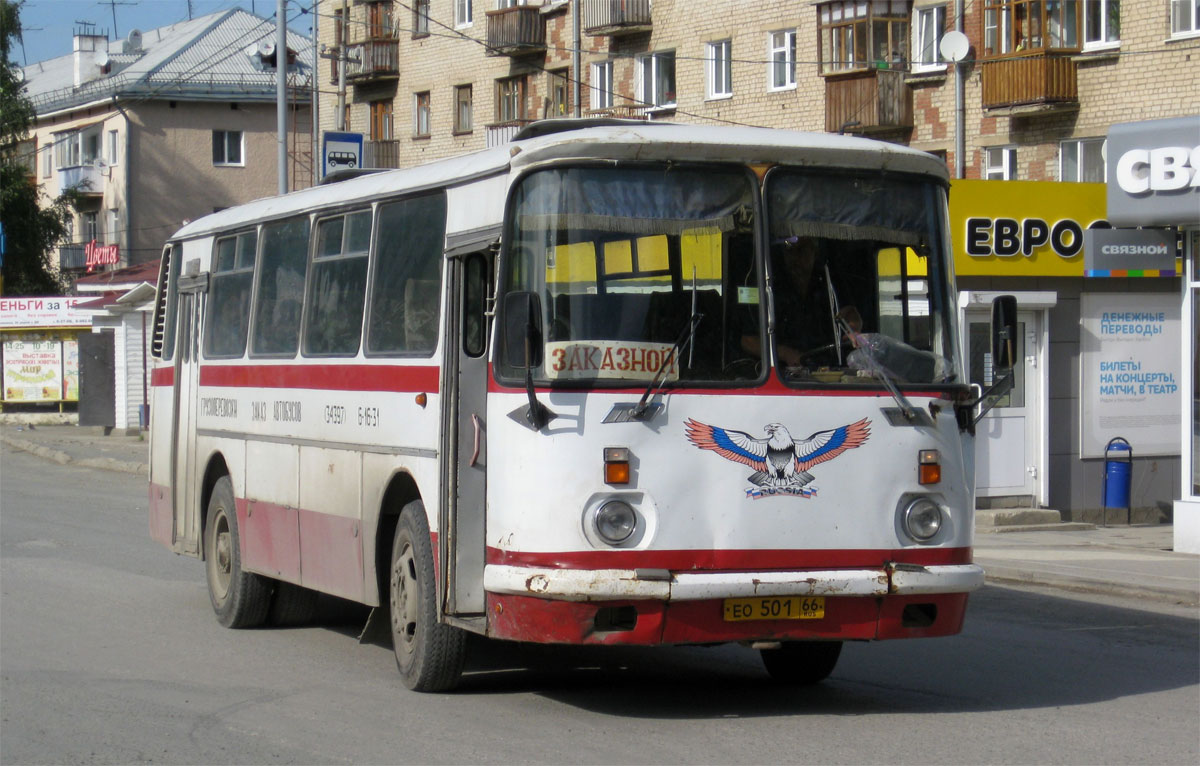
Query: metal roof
[[204, 58]]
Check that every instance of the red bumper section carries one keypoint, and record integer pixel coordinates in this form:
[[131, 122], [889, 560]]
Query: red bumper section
[[526, 618]]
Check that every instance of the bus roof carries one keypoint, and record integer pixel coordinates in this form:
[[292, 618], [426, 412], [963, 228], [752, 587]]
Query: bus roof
[[553, 140]]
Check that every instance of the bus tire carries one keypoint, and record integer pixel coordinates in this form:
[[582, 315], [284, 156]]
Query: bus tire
[[239, 598], [430, 654], [802, 662], [292, 605]]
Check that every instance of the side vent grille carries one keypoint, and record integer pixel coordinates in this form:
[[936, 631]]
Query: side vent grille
[[160, 305]]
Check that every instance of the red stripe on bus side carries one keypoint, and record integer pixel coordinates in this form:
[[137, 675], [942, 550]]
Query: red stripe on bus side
[[730, 560], [162, 376], [323, 377]]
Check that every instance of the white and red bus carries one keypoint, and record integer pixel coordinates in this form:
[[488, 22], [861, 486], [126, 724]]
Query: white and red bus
[[606, 384]]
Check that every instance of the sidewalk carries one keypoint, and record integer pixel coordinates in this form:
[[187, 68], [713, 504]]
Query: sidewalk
[[1131, 562]]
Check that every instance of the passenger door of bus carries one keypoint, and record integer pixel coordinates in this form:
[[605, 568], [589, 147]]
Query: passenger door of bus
[[464, 496], [184, 484]]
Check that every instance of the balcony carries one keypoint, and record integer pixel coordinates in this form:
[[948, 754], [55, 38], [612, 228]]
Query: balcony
[[1038, 79], [381, 154], [610, 18], [876, 101], [72, 257], [624, 112], [85, 179], [372, 60], [515, 31], [501, 133]]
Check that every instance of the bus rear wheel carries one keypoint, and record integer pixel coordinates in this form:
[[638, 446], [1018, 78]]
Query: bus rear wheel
[[430, 654], [802, 662], [240, 599]]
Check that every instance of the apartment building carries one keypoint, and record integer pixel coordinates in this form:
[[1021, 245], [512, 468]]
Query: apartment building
[[162, 127], [1017, 96]]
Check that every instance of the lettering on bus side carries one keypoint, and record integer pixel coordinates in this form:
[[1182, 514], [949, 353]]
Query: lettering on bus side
[[218, 407], [335, 414], [287, 412], [258, 412]]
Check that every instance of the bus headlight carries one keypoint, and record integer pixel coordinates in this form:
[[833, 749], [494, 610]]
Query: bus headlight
[[922, 519], [614, 522]]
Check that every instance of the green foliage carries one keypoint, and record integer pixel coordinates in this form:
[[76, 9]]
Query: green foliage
[[33, 223]]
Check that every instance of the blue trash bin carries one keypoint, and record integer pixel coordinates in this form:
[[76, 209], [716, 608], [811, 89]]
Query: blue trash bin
[[1118, 465]]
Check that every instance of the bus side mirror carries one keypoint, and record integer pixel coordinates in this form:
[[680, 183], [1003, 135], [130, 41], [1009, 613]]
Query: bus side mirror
[[1004, 333], [522, 330]]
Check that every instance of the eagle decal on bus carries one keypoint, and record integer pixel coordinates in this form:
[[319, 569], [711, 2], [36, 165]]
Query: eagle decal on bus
[[780, 462]]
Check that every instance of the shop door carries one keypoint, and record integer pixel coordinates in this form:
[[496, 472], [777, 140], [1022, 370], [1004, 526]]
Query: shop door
[[1008, 440], [97, 380]]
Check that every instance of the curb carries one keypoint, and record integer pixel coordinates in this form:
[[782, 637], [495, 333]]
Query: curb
[[1017, 576], [62, 458]]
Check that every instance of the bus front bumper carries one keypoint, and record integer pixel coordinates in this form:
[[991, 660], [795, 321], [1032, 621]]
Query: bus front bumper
[[661, 585]]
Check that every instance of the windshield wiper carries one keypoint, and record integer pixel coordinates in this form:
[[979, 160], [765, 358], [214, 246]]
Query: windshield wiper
[[686, 335]]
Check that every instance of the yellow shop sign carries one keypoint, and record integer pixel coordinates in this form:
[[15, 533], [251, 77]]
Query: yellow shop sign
[[1023, 228]]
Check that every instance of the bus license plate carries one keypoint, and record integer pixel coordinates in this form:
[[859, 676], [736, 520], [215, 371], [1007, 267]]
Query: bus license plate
[[776, 608]]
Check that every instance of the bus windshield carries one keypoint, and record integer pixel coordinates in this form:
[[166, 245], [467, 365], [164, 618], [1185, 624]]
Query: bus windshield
[[629, 263], [859, 279]]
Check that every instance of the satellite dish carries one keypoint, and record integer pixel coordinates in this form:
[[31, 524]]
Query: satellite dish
[[134, 40], [266, 49], [101, 58], [20, 75], [954, 46]]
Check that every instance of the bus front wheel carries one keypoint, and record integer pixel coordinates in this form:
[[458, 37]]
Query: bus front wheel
[[802, 662], [240, 599], [429, 654]]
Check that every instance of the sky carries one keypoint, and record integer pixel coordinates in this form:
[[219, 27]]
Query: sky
[[47, 25]]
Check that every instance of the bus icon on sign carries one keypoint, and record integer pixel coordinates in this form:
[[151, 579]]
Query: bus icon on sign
[[342, 158]]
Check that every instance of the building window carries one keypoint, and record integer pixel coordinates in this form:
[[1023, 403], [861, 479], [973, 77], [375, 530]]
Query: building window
[[510, 99], [379, 21], [91, 226], [463, 121], [720, 69], [1101, 23], [853, 34], [781, 52], [1082, 160], [420, 10], [656, 79], [602, 85], [381, 120], [114, 148], [560, 93], [26, 157], [421, 115], [929, 24], [462, 13], [1185, 18], [47, 161], [1013, 26], [227, 147], [1000, 163], [113, 228]]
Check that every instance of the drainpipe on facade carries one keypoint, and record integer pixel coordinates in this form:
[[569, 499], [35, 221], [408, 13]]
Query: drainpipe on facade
[[127, 234], [576, 58], [960, 112]]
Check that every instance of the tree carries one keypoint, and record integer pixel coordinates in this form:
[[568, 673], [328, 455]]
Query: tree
[[33, 222]]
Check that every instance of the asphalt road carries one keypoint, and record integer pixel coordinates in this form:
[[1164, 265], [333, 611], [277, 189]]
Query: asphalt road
[[109, 653]]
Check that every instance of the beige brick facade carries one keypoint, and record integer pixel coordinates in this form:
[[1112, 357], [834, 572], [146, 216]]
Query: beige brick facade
[[1148, 75]]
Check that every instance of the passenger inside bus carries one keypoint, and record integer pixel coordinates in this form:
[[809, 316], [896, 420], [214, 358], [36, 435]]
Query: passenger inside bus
[[806, 305]]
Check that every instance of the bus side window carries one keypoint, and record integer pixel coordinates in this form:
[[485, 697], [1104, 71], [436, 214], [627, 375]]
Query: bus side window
[[337, 287], [229, 301], [475, 290], [280, 294], [406, 283], [163, 342]]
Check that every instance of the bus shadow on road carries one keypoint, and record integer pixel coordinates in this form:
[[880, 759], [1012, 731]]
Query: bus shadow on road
[[1019, 650]]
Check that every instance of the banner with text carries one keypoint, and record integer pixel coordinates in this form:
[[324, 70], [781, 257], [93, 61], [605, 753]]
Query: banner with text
[[1130, 372]]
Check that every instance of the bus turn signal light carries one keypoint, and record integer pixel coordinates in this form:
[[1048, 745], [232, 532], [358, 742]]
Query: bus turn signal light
[[616, 465], [929, 467]]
